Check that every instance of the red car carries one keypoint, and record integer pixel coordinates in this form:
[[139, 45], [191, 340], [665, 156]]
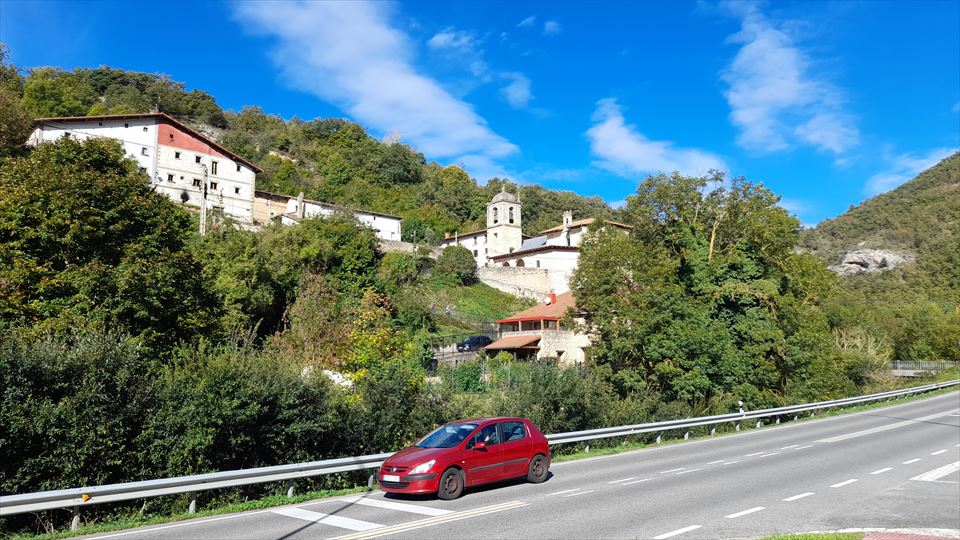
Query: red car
[[467, 453]]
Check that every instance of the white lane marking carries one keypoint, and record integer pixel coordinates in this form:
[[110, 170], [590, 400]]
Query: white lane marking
[[390, 505], [327, 519], [770, 454], [562, 492], [937, 453], [732, 462], [753, 454], [807, 446], [672, 470], [956, 446], [797, 497], [676, 532], [717, 461], [621, 480], [909, 461], [883, 470], [691, 470], [431, 521], [844, 483], [579, 493], [635, 482], [938, 473], [885, 428], [791, 446], [745, 512]]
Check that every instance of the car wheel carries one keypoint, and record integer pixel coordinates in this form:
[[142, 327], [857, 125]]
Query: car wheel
[[451, 484], [538, 469]]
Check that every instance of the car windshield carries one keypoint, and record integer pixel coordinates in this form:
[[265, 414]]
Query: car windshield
[[447, 436]]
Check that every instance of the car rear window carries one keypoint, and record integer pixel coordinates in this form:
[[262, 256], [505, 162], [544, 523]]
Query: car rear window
[[447, 436], [513, 431], [488, 434]]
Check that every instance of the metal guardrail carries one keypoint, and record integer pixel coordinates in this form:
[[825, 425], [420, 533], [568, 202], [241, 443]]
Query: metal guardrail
[[922, 365], [77, 498]]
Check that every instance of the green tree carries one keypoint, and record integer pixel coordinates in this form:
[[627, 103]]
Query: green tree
[[51, 92], [84, 241], [457, 265]]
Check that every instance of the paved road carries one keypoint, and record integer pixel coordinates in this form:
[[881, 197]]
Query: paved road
[[892, 467]]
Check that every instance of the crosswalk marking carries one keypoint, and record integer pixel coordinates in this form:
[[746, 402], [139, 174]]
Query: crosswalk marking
[[936, 474], [390, 505], [327, 519]]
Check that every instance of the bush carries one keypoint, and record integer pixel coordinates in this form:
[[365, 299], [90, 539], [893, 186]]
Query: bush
[[456, 265]]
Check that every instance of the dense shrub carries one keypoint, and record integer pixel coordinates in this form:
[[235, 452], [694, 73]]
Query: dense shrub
[[457, 265]]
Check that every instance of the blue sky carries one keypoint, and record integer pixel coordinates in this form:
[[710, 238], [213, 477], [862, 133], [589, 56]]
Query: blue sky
[[826, 103]]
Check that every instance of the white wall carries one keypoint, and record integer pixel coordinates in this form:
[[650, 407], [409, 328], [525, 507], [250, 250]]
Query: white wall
[[476, 243], [385, 227], [233, 191], [135, 134]]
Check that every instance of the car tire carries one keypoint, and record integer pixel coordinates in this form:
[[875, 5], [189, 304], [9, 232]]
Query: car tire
[[451, 484], [537, 472]]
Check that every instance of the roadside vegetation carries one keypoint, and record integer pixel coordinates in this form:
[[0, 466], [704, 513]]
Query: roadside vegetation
[[131, 348]]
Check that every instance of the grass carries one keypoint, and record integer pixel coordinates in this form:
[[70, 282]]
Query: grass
[[817, 536], [479, 300], [282, 500]]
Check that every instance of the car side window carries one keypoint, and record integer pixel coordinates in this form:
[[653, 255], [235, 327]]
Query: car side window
[[513, 431], [487, 434]]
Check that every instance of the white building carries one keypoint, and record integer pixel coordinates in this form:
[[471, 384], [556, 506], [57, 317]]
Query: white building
[[385, 226], [503, 233], [181, 162], [543, 332]]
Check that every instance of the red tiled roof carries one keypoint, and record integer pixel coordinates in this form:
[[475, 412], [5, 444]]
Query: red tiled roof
[[554, 311], [512, 342]]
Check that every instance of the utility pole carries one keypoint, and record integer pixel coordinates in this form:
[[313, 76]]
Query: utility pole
[[203, 202]]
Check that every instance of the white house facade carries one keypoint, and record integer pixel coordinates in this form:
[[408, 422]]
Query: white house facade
[[182, 163], [291, 210]]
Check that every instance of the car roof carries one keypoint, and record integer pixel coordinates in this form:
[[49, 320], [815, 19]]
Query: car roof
[[487, 420]]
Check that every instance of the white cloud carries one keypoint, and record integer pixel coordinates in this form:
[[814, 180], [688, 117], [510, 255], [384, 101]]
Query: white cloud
[[371, 77], [903, 168], [528, 22], [794, 206], [551, 28], [452, 39], [622, 149], [775, 100], [517, 91]]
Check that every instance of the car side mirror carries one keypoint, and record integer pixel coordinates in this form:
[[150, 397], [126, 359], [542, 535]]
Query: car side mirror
[[480, 446]]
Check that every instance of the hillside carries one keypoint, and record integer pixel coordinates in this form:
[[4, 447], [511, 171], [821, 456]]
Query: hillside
[[919, 221], [329, 159]]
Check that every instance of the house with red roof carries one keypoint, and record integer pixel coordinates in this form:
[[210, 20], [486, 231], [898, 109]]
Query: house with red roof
[[547, 330]]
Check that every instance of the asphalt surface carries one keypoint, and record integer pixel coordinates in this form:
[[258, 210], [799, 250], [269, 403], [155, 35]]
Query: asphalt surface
[[894, 467]]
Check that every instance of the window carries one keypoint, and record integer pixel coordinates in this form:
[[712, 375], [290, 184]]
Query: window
[[176, 155], [236, 191], [197, 159], [126, 125], [213, 185], [513, 431], [446, 436], [549, 325], [213, 168], [196, 182], [510, 212], [181, 179], [475, 253], [143, 169], [144, 129], [143, 150], [99, 123], [238, 167], [169, 178], [487, 435], [538, 264], [66, 135], [496, 215], [511, 250], [475, 240]]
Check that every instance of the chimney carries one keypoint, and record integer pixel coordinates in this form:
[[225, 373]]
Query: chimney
[[301, 211], [552, 299], [567, 218]]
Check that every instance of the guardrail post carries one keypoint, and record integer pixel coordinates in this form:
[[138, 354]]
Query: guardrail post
[[586, 448], [759, 423], [75, 522], [290, 488], [686, 435], [659, 438], [713, 430], [738, 426], [192, 509], [371, 480], [778, 420]]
